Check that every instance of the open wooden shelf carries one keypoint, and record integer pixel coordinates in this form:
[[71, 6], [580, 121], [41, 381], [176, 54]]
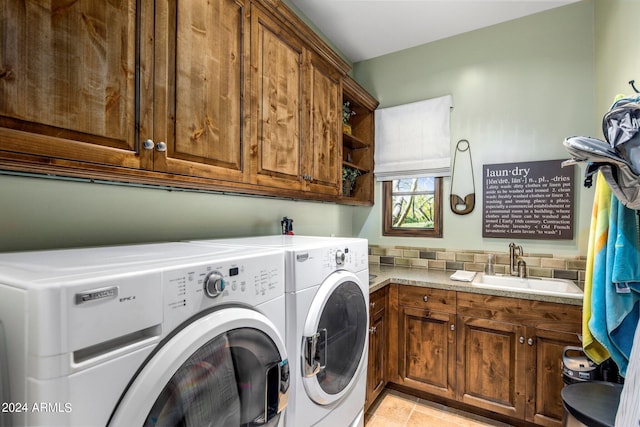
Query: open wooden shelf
[[358, 148]]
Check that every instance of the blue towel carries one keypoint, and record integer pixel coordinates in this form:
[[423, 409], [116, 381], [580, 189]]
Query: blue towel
[[622, 296], [614, 295], [614, 305], [602, 273]]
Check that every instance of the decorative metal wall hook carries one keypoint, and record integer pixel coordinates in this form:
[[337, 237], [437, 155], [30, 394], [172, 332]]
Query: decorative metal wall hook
[[459, 205], [633, 86]]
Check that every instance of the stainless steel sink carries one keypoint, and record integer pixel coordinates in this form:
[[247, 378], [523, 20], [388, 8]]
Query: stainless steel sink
[[558, 287]]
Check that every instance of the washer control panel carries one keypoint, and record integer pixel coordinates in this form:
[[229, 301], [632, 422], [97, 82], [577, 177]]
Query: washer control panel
[[246, 280], [214, 284], [351, 256]]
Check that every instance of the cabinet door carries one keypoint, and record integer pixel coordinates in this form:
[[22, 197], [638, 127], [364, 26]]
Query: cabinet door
[[426, 356], [200, 82], [376, 378], [277, 60], [491, 355], [68, 79], [544, 374], [323, 165]]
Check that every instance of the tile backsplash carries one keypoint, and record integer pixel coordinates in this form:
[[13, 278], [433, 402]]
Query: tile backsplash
[[538, 265]]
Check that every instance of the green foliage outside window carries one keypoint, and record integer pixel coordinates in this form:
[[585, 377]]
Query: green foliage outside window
[[413, 203], [413, 207]]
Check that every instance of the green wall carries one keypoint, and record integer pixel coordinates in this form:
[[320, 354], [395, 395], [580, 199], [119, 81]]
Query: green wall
[[617, 51], [38, 213], [519, 88]]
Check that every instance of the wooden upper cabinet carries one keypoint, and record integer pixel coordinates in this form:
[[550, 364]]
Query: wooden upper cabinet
[[323, 168], [235, 95], [297, 107], [68, 81], [201, 46], [277, 59], [77, 85]]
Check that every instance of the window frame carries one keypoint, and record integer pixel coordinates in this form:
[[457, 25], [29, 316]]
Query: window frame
[[388, 230]]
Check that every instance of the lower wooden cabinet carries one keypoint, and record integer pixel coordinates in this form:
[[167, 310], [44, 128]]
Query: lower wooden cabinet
[[492, 365], [426, 340], [376, 368], [544, 378], [497, 354], [510, 355]]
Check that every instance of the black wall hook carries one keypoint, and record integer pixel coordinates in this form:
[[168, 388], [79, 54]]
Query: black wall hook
[[633, 86]]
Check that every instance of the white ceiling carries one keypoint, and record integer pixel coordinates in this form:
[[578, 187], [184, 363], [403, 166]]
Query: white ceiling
[[364, 29]]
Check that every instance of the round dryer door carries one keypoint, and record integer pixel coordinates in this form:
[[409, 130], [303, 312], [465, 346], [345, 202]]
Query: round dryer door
[[335, 338], [228, 368]]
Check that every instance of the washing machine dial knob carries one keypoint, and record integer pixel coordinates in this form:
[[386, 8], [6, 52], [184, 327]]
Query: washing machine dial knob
[[340, 257], [214, 284]]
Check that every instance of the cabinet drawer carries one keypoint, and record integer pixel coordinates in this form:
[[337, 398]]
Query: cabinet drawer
[[427, 298]]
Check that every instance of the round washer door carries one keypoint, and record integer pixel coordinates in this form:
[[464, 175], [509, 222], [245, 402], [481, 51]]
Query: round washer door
[[227, 368], [335, 338]]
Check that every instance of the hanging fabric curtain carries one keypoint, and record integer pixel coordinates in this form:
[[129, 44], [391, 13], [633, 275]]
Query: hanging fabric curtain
[[413, 140]]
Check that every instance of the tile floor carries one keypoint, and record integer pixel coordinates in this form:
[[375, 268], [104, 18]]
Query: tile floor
[[395, 409]]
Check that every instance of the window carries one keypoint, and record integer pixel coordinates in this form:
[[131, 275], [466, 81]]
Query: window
[[413, 207]]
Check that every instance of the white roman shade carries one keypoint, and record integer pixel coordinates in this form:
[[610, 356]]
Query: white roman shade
[[413, 139]]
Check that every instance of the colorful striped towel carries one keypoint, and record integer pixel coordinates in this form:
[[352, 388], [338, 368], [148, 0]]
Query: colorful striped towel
[[598, 234], [610, 308]]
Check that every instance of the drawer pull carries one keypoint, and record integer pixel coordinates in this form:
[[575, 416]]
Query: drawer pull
[[425, 298]]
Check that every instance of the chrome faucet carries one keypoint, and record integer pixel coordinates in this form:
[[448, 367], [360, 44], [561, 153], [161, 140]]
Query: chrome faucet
[[517, 266]]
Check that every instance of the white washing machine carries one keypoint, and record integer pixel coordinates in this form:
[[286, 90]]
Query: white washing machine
[[327, 299], [162, 334]]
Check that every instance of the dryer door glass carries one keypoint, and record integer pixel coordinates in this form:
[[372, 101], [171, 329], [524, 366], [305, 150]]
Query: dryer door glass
[[232, 380], [342, 332]]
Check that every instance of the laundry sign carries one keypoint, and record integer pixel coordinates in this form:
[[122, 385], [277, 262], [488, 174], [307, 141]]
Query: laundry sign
[[528, 200]]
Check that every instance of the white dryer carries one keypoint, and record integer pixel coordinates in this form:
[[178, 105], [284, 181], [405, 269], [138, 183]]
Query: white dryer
[[162, 334], [327, 300]]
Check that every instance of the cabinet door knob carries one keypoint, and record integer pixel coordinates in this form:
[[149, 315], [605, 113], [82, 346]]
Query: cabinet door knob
[[372, 330], [425, 298], [161, 146], [452, 327], [373, 305], [530, 341], [148, 144], [521, 340]]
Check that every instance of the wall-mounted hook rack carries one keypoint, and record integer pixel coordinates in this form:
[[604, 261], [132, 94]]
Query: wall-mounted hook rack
[[633, 86]]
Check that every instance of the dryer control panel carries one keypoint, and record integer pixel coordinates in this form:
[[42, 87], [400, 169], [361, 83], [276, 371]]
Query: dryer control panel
[[249, 280], [312, 265]]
